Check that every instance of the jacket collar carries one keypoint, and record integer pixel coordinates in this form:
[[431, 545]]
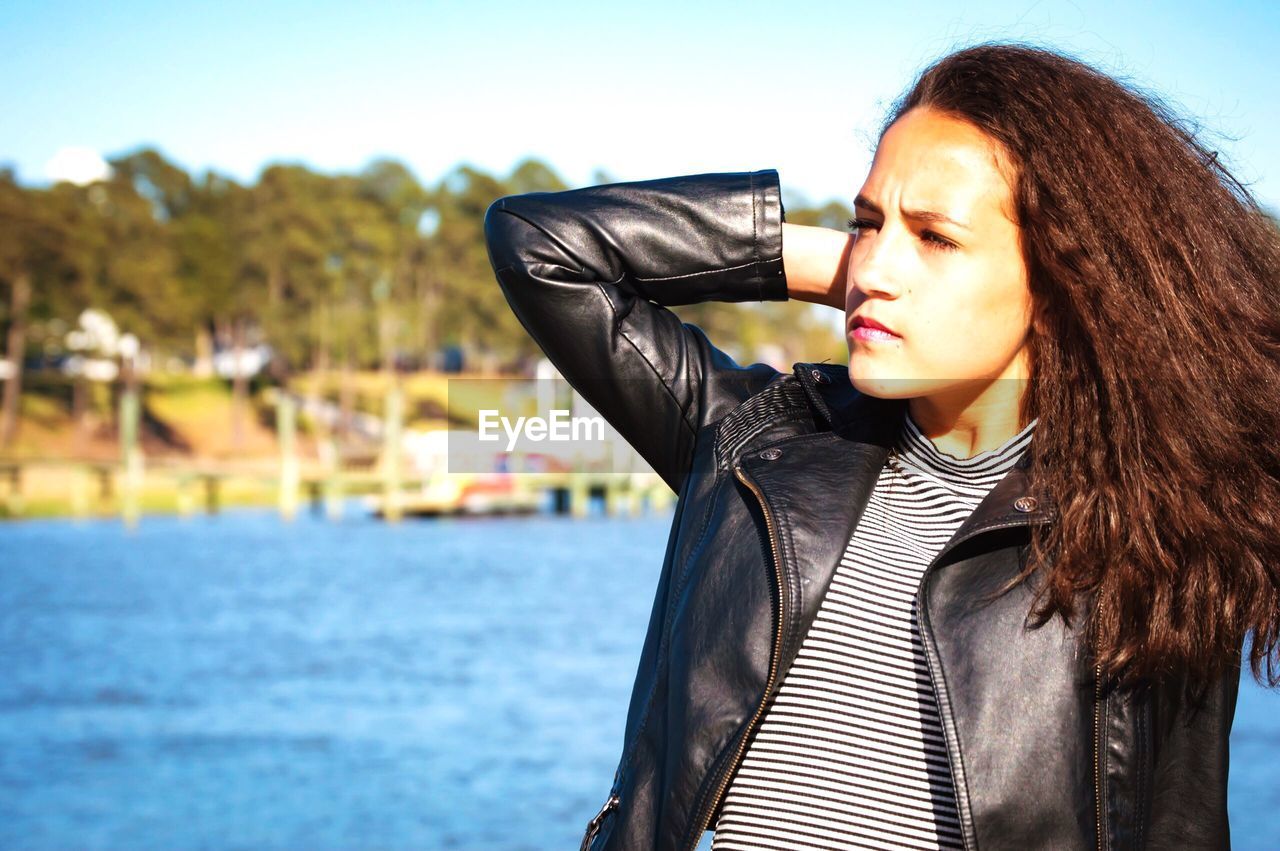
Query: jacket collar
[[871, 420], [815, 487]]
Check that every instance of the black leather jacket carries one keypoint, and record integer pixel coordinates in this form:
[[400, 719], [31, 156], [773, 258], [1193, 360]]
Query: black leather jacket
[[773, 470]]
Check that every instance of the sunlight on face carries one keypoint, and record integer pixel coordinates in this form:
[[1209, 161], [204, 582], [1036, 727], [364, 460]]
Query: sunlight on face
[[954, 292]]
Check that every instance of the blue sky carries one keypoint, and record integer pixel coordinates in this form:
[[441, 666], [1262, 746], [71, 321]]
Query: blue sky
[[637, 90]]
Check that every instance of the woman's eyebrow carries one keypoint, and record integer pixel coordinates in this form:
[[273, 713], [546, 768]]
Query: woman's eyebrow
[[919, 215]]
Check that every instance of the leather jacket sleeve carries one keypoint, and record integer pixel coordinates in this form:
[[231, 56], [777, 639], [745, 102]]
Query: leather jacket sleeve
[[1190, 744], [589, 273]]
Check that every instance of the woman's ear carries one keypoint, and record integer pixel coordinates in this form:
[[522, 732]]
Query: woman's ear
[[1039, 319]]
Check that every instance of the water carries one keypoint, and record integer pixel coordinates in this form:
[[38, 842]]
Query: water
[[235, 682]]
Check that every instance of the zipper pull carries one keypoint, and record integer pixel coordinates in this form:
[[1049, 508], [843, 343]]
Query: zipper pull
[[593, 826]]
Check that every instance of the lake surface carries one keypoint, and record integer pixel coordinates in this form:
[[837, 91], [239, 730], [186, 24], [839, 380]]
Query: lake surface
[[235, 682]]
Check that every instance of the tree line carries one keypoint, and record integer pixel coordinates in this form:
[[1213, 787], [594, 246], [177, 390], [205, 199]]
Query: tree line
[[335, 272]]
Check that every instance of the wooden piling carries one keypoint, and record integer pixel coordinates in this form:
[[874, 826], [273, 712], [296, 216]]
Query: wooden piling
[[131, 456], [579, 495], [186, 494], [286, 435], [14, 503], [392, 509], [331, 487]]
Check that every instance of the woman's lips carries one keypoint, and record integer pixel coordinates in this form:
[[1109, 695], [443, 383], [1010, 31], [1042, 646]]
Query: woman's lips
[[868, 334], [869, 330]]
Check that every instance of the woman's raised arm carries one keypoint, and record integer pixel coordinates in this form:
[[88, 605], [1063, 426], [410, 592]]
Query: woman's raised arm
[[816, 261], [589, 273]]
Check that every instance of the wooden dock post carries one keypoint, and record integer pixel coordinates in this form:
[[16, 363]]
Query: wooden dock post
[[614, 493], [392, 508], [286, 434], [131, 456], [14, 503], [331, 486], [579, 495], [186, 494], [211, 485], [635, 494], [81, 485]]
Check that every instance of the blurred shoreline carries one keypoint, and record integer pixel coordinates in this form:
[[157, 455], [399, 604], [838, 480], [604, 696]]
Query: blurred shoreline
[[191, 423]]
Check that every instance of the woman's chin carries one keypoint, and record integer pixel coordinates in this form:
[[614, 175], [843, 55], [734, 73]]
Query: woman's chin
[[872, 378]]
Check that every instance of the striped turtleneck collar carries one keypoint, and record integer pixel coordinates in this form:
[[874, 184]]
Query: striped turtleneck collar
[[916, 450]]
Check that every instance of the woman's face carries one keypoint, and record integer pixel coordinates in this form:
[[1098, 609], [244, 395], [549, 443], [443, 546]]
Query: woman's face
[[936, 259]]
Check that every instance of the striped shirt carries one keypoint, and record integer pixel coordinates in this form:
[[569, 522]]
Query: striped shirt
[[850, 754]]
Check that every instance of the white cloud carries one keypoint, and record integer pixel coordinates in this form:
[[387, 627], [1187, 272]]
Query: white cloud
[[77, 164]]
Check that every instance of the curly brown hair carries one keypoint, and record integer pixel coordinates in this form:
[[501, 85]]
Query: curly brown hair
[[1156, 364]]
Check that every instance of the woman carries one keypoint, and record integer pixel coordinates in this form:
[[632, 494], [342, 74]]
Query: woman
[[988, 585]]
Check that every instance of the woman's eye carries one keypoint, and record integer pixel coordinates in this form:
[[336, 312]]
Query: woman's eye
[[931, 239], [937, 242]]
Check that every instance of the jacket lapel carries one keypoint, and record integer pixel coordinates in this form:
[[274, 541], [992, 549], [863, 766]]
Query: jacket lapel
[[816, 487], [966, 639]]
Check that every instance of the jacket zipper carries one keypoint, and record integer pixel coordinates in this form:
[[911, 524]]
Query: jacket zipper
[[1097, 739], [593, 826], [705, 818]]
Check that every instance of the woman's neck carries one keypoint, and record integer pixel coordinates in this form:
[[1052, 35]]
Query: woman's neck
[[965, 428]]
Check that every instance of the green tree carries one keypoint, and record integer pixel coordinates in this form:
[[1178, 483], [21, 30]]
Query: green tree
[[403, 290], [474, 313], [21, 232]]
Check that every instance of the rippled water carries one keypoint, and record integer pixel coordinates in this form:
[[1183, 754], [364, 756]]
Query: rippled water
[[236, 682]]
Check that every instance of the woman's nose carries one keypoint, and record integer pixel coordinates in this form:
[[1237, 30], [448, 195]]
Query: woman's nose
[[871, 270]]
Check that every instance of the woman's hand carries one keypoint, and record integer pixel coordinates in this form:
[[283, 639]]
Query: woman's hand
[[814, 260]]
